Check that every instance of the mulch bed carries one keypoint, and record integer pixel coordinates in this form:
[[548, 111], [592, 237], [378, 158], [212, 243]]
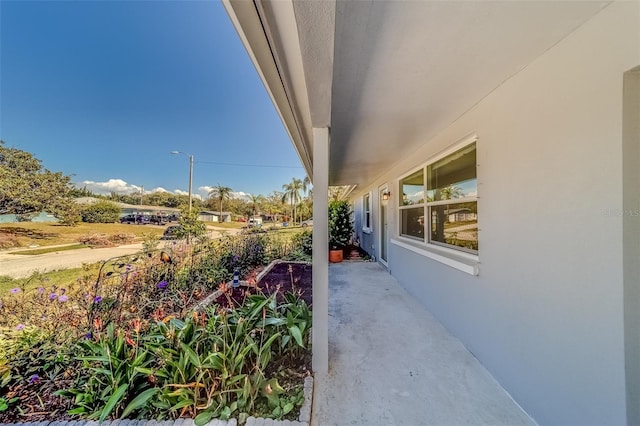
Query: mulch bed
[[283, 278]]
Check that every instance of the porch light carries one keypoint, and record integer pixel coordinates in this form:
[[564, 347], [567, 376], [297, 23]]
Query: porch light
[[386, 195]]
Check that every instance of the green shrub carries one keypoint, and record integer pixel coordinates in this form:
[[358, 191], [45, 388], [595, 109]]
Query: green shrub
[[303, 242], [340, 224], [204, 365], [101, 212]]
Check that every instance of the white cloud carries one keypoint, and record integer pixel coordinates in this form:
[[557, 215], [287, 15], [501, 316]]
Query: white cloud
[[234, 194], [181, 192], [158, 189], [205, 189], [241, 195], [122, 187], [112, 185]]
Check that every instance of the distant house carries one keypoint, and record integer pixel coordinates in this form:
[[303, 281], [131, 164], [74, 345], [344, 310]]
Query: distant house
[[126, 209], [41, 217], [531, 110], [211, 216]]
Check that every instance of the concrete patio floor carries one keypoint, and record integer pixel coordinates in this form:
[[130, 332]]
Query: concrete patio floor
[[392, 363]]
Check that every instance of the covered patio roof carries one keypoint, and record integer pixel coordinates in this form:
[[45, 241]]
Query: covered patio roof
[[387, 76]]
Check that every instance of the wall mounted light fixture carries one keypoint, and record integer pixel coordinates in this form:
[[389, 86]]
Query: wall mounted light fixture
[[385, 195]]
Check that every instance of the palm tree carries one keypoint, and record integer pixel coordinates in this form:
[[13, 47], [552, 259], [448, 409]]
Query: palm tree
[[292, 193], [306, 186], [221, 193], [450, 192], [255, 200]]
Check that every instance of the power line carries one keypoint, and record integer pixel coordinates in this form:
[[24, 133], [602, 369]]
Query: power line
[[248, 165]]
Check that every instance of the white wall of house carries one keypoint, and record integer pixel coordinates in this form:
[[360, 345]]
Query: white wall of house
[[545, 312]]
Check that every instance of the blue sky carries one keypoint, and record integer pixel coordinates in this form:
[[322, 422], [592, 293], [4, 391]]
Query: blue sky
[[104, 90]]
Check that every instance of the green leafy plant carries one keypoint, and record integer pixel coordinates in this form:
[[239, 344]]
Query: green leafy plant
[[133, 348], [340, 224]]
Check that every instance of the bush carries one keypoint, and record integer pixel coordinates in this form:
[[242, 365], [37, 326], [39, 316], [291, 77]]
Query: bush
[[101, 212], [103, 240], [340, 224], [8, 241], [302, 245]]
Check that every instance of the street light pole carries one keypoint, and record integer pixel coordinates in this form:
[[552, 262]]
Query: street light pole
[[190, 180], [190, 176]]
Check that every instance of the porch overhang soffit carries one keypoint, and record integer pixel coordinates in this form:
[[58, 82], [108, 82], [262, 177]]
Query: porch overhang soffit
[[291, 45]]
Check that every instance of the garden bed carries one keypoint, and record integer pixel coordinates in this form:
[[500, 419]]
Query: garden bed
[[136, 348], [278, 278]]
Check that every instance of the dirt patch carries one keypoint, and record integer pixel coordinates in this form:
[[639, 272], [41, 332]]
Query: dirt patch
[[283, 278]]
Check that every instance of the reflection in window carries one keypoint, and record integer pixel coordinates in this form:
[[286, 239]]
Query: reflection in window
[[412, 222], [455, 224], [453, 176], [367, 212], [450, 206], [412, 189]]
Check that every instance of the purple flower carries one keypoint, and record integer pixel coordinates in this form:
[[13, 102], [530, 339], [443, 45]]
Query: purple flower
[[19, 327], [53, 296], [162, 285], [88, 335], [236, 258], [97, 299], [40, 290], [15, 290], [33, 379], [63, 298]]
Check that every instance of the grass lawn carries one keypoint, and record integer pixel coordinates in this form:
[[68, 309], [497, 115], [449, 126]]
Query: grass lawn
[[226, 225], [59, 278], [33, 252], [47, 234]]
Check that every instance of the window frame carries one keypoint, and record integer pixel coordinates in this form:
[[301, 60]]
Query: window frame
[[426, 240], [366, 213]]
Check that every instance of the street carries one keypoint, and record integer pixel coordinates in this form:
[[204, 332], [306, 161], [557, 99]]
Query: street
[[21, 266]]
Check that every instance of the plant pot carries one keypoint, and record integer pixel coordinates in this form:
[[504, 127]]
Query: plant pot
[[335, 256]]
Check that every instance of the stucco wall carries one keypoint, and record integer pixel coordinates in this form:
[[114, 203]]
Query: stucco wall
[[545, 313]]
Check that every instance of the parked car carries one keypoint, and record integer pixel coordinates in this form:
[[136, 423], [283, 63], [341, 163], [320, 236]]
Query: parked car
[[308, 222], [158, 219], [135, 218], [254, 223]]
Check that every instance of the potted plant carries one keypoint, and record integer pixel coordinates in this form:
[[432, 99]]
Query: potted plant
[[340, 229]]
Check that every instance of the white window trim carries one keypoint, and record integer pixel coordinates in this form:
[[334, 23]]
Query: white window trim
[[367, 229], [458, 259]]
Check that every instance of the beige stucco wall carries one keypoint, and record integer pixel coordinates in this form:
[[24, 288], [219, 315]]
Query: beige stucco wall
[[545, 313]]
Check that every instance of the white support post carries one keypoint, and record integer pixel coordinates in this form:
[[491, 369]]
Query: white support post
[[320, 360]]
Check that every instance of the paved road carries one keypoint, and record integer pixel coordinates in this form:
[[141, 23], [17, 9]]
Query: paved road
[[21, 266]]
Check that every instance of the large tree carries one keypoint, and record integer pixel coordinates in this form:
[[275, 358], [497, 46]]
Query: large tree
[[221, 193], [26, 187]]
